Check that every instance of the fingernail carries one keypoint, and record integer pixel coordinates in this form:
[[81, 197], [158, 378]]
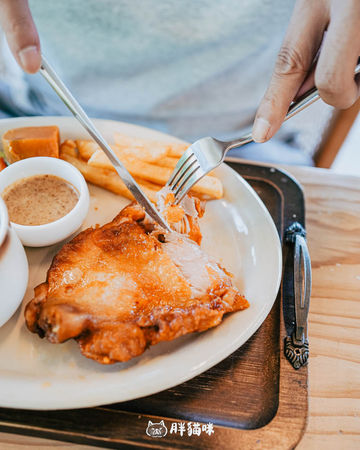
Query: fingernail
[[260, 129], [30, 58]]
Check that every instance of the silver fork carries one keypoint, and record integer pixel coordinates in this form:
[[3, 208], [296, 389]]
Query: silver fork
[[207, 153]]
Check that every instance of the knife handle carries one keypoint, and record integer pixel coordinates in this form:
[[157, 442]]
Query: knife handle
[[69, 100], [297, 345], [302, 288]]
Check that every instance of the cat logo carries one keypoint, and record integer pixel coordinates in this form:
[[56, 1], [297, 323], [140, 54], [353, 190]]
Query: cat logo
[[156, 430]]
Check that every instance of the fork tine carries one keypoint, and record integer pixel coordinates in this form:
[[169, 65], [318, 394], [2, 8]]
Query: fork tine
[[173, 180], [183, 173], [188, 183]]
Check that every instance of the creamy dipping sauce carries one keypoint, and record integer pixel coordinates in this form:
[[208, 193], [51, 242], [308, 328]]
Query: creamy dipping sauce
[[39, 199]]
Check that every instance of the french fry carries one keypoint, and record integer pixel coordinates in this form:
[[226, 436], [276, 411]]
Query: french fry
[[141, 160], [168, 161], [151, 155], [107, 179], [171, 162], [149, 185], [209, 185], [143, 149], [163, 153], [86, 148], [68, 147], [99, 159], [125, 141], [176, 150], [101, 177], [172, 149]]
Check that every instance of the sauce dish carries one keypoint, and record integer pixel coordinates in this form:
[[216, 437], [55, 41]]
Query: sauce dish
[[58, 230]]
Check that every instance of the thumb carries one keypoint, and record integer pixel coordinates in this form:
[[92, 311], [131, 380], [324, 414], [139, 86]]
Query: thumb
[[21, 33]]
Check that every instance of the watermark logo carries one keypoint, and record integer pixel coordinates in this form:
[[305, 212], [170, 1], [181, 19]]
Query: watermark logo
[[156, 430], [191, 428]]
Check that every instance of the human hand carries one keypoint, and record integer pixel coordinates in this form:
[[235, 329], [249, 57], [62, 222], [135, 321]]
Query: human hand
[[21, 34], [295, 71]]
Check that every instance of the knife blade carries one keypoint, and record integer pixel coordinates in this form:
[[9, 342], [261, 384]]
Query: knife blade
[[65, 95]]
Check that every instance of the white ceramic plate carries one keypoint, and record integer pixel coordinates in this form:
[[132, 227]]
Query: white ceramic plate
[[237, 230]]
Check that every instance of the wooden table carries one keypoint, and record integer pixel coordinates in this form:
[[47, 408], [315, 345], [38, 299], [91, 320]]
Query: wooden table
[[333, 223]]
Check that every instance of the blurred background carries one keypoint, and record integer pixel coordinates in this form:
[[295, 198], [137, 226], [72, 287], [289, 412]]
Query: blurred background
[[191, 69]]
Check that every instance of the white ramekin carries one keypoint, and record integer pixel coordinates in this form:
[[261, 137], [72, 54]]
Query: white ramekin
[[4, 221], [53, 232], [14, 269]]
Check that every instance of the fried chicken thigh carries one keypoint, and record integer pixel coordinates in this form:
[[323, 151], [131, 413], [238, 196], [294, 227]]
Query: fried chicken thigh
[[121, 287]]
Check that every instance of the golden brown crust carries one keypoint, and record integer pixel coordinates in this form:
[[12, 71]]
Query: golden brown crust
[[116, 289]]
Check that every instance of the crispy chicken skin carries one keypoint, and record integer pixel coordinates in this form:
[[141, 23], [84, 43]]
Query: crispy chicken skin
[[121, 287]]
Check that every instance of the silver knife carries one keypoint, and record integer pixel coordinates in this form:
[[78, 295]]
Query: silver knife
[[296, 341], [63, 92]]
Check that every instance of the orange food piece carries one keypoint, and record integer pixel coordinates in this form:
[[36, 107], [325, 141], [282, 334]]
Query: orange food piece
[[170, 198], [21, 143], [174, 213], [2, 164]]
